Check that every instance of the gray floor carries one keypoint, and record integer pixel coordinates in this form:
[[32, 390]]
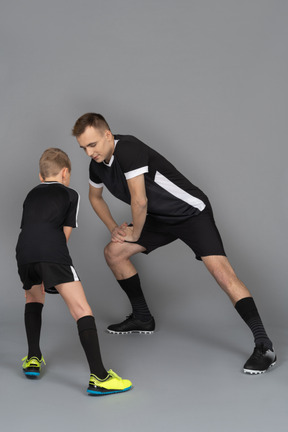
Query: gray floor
[[184, 379]]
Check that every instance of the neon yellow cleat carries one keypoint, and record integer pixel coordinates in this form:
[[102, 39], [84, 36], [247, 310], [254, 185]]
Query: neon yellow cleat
[[32, 366], [112, 384]]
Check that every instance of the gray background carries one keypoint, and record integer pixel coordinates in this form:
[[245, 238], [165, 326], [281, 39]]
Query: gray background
[[205, 83]]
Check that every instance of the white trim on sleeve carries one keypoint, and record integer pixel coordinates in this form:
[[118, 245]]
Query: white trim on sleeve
[[96, 185], [136, 172], [178, 192]]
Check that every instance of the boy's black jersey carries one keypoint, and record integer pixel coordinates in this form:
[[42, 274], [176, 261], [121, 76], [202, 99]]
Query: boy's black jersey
[[46, 210], [171, 196]]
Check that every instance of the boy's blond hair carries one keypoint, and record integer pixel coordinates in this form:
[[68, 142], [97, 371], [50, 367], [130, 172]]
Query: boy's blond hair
[[52, 161]]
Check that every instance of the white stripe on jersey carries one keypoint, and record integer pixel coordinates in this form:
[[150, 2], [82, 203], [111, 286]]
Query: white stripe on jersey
[[76, 278], [178, 192], [96, 185], [136, 172], [77, 211]]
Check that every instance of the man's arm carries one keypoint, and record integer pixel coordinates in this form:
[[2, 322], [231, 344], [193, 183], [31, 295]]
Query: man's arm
[[139, 202], [102, 210]]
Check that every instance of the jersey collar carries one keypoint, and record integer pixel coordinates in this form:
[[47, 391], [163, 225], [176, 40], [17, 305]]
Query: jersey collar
[[51, 182], [109, 164]]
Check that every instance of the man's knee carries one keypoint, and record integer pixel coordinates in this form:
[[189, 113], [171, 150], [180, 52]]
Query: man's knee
[[112, 253], [117, 253]]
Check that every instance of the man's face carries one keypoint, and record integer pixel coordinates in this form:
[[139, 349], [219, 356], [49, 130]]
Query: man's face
[[97, 144]]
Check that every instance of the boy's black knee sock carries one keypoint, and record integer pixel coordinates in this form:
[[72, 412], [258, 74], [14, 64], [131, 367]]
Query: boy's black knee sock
[[132, 288], [89, 340], [249, 313], [33, 322]]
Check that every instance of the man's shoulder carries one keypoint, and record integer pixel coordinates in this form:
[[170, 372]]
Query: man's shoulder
[[128, 143], [126, 138]]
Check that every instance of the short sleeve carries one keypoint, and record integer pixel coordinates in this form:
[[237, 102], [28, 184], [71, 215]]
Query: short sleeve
[[94, 179], [71, 218], [133, 157]]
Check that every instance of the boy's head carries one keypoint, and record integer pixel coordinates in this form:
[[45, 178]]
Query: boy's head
[[55, 164]]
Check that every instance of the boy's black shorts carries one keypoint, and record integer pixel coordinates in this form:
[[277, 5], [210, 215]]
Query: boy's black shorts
[[50, 274], [198, 232]]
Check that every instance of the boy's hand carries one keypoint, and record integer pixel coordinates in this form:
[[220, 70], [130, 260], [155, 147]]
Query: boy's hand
[[118, 233]]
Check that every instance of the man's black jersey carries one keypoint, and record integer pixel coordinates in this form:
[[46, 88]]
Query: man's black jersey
[[171, 196], [46, 210]]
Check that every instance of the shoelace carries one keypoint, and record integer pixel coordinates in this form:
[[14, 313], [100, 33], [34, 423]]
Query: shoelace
[[111, 374], [259, 351], [28, 362]]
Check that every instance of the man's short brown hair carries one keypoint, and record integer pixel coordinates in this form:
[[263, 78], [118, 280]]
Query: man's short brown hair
[[89, 119], [52, 161]]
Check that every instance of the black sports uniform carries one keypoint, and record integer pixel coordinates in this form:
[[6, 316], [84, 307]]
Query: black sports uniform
[[176, 208], [41, 251]]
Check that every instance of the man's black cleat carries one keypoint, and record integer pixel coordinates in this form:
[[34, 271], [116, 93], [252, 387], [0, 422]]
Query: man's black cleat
[[260, 361], [133, 325]]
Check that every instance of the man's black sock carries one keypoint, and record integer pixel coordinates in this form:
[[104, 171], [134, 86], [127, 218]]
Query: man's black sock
[[90, 343], [33, 322], [249, 313], [132, 288]]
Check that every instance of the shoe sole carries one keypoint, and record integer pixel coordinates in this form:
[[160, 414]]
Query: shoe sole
[[32, 375], [103, 392], [258, 372], [130, 332]]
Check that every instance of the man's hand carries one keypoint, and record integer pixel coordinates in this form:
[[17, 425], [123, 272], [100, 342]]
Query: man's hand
[[129, 236], [118, 233]]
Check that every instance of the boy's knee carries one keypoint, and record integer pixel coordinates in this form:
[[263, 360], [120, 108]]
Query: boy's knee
[[80, 311]]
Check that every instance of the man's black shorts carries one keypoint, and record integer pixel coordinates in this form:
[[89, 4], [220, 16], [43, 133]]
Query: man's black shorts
[[198, 232], [50, 274]]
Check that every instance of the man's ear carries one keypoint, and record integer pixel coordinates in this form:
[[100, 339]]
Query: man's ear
[[41, 178], [108, 134]]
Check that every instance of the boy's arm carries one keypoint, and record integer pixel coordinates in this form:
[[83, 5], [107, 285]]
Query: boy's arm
[[139, 202], [102, 210], [67, 231]]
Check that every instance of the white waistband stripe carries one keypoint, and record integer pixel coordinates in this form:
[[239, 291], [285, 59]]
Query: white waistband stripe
[[76, 278]]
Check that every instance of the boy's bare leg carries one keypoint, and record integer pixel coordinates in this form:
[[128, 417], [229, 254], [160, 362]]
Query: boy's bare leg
[[35, 295], [74, 296]]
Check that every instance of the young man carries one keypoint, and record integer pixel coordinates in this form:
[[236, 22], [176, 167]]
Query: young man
[[49, 213], [165, 206]]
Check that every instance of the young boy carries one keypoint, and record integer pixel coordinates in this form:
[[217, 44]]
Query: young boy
[[49, 213]]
